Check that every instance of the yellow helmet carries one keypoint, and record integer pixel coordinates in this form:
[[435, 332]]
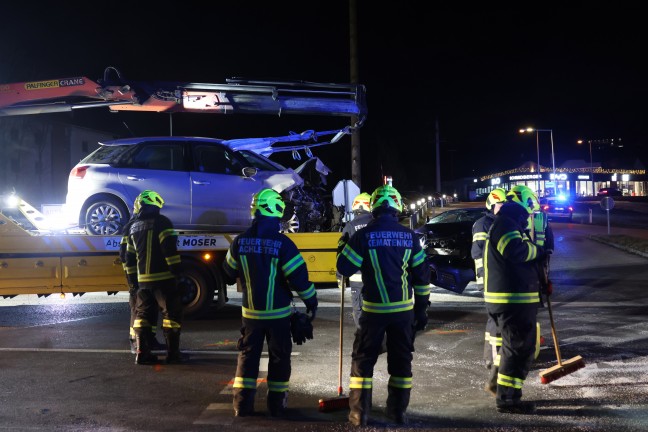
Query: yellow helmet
[[524, 196], [496, 196], [268, 202], [362, 202], [386, 196], [148, 197]]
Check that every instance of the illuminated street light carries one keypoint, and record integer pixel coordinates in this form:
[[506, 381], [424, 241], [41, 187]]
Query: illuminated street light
[[553, 159]]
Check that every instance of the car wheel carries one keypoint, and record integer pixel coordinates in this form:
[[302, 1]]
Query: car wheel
[[291, 224], [106, 216], [197, 293]]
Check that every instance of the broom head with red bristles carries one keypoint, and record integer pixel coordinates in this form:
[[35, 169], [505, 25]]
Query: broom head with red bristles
[[561, 369], [338, 403]]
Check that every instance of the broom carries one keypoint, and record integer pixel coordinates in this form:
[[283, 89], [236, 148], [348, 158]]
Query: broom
[[562, 368], [340, 402]]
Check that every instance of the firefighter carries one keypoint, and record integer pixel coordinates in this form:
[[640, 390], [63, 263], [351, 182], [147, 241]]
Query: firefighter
[[268, 265], [394, 302], [480, 228], [131, 279], [511, 294], [151, 247], [361, 209]]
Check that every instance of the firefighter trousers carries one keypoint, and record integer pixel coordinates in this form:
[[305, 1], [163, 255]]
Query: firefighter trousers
[[250, 345], [517, 328], [164, 295]]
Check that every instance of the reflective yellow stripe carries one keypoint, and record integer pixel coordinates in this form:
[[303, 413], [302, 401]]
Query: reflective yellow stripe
[[266, 314], [479, 236], [249, 383], [361, 383], [170, 324], [509, 381], [400, 382], [277, 386], [529, 297], [388, 307]]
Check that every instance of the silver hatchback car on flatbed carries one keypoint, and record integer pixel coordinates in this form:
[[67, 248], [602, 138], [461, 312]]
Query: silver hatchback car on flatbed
[[206, 185]]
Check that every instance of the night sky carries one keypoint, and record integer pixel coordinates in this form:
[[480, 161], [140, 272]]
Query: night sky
[[482, 71]]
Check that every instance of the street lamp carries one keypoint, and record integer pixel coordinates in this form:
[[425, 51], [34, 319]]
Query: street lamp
[[553, 159], [591, 163]]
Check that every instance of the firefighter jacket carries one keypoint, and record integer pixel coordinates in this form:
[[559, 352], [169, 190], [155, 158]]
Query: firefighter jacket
[[511, 275], [129, 270], [268, 264], [361, 219], [542, 232], [393, 267], [479, 235], [151, 248]]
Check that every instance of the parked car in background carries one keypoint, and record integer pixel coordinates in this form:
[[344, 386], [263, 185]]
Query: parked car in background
[[557, 208], [447, 239], [206, 185], [603, 192]]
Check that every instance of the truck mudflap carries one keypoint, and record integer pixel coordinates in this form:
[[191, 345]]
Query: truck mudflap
[[448, 276]]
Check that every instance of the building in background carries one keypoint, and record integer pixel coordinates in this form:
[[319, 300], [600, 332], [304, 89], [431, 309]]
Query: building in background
[[38, 155]]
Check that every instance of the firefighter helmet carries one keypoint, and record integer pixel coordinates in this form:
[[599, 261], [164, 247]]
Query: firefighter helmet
[[386, 196], [147, 197], [268, 202], [524, 196], [496, 196], [362, 202]]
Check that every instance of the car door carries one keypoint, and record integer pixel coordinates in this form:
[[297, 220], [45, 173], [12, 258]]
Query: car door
[[160, 166], [221, 194]]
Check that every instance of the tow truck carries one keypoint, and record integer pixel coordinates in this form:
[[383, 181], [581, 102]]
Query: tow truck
[[37, 261]]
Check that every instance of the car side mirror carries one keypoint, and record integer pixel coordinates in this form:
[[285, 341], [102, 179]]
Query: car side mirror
[[249, 172]]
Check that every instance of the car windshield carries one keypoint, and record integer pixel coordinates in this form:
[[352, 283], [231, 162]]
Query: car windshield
[[257, 161], [452, 216]]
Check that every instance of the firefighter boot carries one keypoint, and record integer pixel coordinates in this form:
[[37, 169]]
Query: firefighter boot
[[156, 345], [143, 354], [360, 405], [397, 402], [244, 402], [277, 403], [174, 356]]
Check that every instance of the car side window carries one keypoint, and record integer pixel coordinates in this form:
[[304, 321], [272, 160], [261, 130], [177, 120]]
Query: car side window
[[160, 156], [217, 160]]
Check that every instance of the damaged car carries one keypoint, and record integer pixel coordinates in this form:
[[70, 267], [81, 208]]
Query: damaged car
[[207, 185]]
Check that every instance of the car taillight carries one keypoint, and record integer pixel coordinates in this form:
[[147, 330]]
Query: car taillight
[[545, 207], [79, 171]]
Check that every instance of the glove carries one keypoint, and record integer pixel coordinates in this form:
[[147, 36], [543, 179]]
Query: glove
[[311, 306], [301, 328], [420, 316]]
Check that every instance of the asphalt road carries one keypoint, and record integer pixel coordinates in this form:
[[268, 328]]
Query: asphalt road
[[66, 365]]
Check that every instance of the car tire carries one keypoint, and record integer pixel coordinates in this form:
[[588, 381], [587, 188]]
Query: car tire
[[197, 292], [105, 216]]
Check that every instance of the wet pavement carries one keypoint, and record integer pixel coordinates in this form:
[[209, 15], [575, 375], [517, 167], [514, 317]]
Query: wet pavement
[[66, 365]]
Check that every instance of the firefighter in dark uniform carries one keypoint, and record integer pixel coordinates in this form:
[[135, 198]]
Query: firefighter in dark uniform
[[480, 228], [511, 294], [395, 297], [361, 208], [269, 266], [133, 286], [151, 247]]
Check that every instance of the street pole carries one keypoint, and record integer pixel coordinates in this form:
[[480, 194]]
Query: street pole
[[538, 167], [591, 167], [356, 174], [553, 159]]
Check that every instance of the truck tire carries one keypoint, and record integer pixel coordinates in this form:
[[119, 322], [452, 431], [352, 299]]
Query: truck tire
[[198, 289], [106, 215]]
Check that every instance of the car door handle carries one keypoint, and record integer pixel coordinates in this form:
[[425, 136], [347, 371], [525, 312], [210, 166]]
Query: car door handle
[[199, 182], [134, 178]]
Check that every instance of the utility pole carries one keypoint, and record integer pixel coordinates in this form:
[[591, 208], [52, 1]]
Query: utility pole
[[438, 155], [353, 52]]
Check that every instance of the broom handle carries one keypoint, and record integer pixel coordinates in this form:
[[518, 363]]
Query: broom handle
[[553, 331], [343, 286]]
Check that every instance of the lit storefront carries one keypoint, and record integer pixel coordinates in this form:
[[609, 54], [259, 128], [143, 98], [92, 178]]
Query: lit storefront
[[568, 181]]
